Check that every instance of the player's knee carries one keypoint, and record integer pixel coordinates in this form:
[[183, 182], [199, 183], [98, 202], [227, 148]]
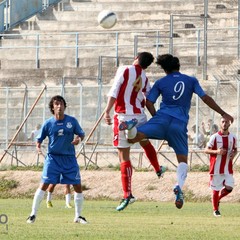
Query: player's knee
[[229, 189]]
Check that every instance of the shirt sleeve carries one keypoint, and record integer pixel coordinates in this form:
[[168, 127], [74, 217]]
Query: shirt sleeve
[[118, 80]]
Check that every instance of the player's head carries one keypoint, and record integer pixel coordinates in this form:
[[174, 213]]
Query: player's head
[[145, 59], [168, 62], [56, 98], [224, 124]]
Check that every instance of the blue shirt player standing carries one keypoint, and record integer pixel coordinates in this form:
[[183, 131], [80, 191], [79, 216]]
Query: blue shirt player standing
[[60, 165], [170, 121]]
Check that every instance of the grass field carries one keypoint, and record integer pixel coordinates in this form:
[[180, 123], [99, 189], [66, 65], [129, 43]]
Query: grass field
[[141, 220]]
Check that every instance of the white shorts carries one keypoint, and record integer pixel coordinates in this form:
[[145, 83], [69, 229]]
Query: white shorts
[[217, 182], [119, 138]]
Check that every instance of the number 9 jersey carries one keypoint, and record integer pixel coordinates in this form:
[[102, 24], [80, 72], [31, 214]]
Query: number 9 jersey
[[176, 90]]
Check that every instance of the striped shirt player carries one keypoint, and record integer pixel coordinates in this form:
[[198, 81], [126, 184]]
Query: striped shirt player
[[222, 148], [130, 87], [127, 95], [221, 164]]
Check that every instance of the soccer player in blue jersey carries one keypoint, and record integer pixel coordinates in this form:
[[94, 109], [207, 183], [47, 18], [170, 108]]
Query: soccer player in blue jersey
[[170, 121], [60, 165]]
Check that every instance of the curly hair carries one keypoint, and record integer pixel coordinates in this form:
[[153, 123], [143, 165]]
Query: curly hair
[[168, 62], [56, 98], [145, 59]]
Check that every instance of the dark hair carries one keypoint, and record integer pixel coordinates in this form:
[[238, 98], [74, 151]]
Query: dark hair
[[145, 59], [56, 98], [168, 62]]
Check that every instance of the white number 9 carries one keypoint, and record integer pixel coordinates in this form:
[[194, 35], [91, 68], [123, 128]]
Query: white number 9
[[178, 88]]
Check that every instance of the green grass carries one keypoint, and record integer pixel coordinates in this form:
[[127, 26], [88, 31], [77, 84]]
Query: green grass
[[140, 221]]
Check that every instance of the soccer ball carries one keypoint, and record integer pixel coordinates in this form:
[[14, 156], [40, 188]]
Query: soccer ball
[[107, 19]]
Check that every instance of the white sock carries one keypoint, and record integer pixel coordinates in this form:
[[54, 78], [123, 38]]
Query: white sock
[[68, 198], [49, 196], [130, 134], [182, 170], [78, 201], [38, 197]]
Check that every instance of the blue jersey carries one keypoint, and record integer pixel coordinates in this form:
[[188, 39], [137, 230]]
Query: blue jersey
[[176, 90], [60, 134]]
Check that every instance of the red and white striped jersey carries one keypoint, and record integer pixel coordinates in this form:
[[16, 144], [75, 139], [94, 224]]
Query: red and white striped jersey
[[221, 164], [130, 88]]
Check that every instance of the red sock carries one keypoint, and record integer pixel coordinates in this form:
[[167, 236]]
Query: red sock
[[215, 200], [152, 156], [126, 177], [224, 192]]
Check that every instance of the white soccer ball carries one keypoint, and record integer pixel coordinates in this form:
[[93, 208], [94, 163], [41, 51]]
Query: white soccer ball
[[107, 19]]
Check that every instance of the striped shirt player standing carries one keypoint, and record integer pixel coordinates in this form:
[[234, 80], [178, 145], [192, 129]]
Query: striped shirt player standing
[[222, 148], [127, 95]]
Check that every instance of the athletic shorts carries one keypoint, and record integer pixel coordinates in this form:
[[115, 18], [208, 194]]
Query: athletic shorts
[[165, 127], [61, 169], [217, 182], [119, 137]]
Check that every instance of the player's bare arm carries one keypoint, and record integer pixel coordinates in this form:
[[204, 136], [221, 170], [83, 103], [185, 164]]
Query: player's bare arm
[[219, 151], [150, 107], [107, 117], [38, 147], [213, 105]]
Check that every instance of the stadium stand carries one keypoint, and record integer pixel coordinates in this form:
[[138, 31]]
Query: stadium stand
[[64, 48]]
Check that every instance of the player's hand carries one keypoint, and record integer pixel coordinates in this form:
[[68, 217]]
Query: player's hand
[[107, 119], [76, 141], [222, 151]]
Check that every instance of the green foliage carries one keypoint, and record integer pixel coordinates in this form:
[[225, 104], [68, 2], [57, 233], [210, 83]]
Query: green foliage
[[6, 185], [36, 168], [189, 196], [199, 168]]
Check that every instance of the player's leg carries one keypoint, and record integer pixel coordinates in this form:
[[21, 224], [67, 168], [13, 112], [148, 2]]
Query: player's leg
[[49, 195], [78, 201], [216, 184], [225, 191], [50, 174], [177, 139], [123, 146], [126, 177], [38, 197], [71, 175], [67, 192], [228, 186], [152, 157], [182, 170]]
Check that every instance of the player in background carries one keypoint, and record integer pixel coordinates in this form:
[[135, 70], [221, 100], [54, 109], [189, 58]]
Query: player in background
[[67, 193], [127, 95], [170, 121], [60, 165], [222, 148]]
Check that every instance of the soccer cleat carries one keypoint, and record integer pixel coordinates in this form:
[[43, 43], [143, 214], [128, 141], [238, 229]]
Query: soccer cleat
[[81, 220], [132, 199], [128, 125], [217, 213], [161, 172], [123, 204], [179, 197], [49, 204], [31, 219], [69, 205]]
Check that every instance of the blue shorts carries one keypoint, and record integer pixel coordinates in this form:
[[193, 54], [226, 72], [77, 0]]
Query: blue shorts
[[165, 127], [61, 169]]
